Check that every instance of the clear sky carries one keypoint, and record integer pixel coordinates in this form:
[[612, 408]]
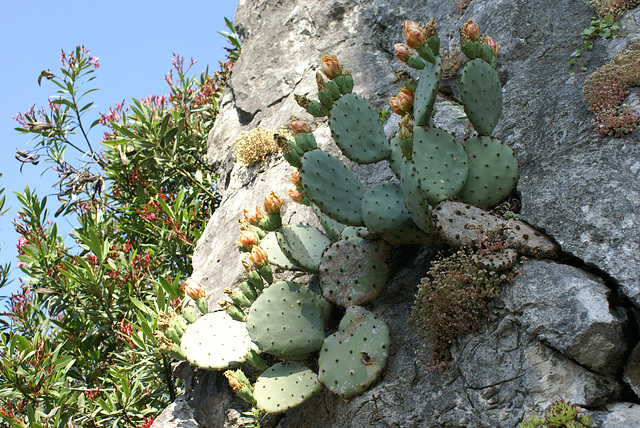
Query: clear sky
[[134, 41]]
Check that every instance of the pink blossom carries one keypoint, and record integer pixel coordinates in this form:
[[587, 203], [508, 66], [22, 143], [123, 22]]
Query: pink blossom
[[94, 62]]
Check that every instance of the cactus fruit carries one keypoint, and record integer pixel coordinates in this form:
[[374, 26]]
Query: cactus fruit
[[332, 186], [352, 358], [441, 163], [426, 92], [284, 386], [303, 245], [357, 131], [354, 271], [286, 320], [383, 208], [216, 342], [481, 95], [493, 171], [276, 256]]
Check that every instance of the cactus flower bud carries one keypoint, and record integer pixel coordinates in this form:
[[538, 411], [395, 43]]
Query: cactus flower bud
[[402, 52], [470, 32], [302, 101], [259, 257], [247, 240], [295, 195], [495, 49], [295, 178], [193, 289], [253, 217], [272, 203], [431, 29], [299, 127], [406, 99], [331, 67], [413, 34], [396, 106]]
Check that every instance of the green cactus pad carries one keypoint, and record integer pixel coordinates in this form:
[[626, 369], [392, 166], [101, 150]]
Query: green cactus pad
[[314, 285], [414, 200], [410, 235], [440, 162], [303, 245], [354, 271], [481, 95], [332, 186], [332, 227], [352, 358], [276, 257], [383, 208], [286, 320], [426, 92], [357, 130], [284, 386], [216, 342], [493, 171], [395, 158]]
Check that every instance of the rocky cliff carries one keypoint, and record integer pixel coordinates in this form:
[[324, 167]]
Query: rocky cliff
[[564, 329]]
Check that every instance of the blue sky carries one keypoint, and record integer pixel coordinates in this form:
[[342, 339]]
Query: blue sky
[[134, 41]]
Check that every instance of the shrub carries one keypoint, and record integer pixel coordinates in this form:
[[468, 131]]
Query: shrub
[[452, 301], [254, 146], [614, 7]]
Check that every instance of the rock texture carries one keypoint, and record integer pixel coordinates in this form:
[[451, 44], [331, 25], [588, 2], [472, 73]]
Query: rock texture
[[557, 331]]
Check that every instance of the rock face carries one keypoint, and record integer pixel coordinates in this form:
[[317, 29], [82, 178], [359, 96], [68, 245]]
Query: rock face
[[557, 331]]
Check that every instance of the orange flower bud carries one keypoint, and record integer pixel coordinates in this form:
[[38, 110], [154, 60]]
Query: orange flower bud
[[396, 106], [295, 178], [402, 52], [406, 99], [253, 217], [272, 203], [259, 257], [471, 31], [247, 239], [295, 195], [413, 34], [495, 49], [192, 288], [299, 127], [331, 67]]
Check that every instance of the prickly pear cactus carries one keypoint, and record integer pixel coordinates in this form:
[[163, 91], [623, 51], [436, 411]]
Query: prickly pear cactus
[[481, 95], [303, 245], [426, 92], [357, 131], [276, 256], [286, 320], [216, 342], [332, 186], [354, 271], [284, 386], [383, 208], [352, 358]]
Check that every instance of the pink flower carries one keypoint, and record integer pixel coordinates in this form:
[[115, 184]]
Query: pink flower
[[413, 34], [331, 67], [94, 62], [495, 49], [471, 31], [402, 52], [193, 289]]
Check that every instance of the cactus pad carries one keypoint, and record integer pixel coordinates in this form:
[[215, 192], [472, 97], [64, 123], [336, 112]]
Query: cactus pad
[[276, 257], [417, 206], [352, 358], [493, 171], [331, 227], [303, 245], [286, 320], [284, 386], [332, 186], [395, 158], [216, 342], [357, 130], [354, 271], [481, 95], [440, 162], [383, 208], [426, 92]]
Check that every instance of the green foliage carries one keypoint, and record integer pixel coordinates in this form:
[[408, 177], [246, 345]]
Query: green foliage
[[559, 414], [87, 343], [606, 27]]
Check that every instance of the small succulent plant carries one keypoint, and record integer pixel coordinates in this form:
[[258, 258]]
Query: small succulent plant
[[559, 414]]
